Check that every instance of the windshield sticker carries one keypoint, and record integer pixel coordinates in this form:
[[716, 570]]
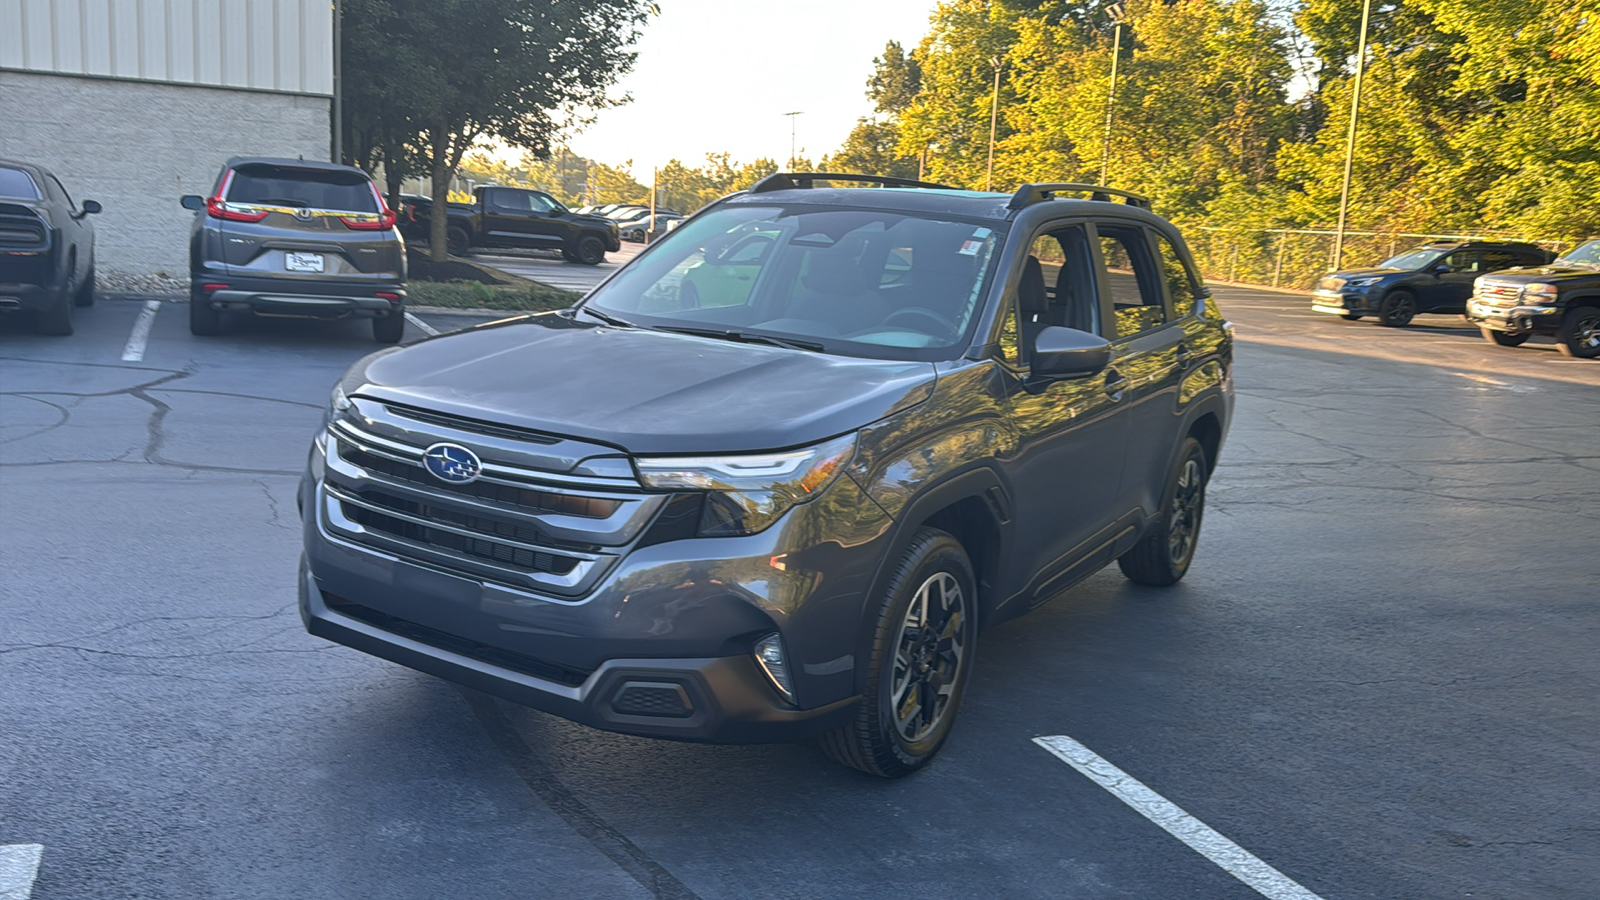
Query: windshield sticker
[[982, 233], [971, 248]]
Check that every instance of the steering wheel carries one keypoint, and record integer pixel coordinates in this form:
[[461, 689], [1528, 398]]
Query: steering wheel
[[943, 327]]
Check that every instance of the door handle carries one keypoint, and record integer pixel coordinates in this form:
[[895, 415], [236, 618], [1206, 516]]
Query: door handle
[[1115, 384]]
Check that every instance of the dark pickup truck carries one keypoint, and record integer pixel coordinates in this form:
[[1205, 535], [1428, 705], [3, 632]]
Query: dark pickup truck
[[516, 217]]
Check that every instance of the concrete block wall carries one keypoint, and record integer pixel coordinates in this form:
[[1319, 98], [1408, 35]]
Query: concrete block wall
[[138, 146]]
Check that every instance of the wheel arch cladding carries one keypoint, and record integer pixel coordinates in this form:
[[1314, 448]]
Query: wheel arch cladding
[[1208, 431], [971, 521]]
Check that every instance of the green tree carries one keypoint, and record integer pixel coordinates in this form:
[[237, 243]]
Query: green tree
[[510, 70]]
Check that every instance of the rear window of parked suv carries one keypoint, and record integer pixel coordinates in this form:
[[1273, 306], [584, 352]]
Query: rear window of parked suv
[[305, 188], [16, 184]]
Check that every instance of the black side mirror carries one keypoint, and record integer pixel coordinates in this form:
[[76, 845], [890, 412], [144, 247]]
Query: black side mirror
[[90, 207], [1440, 269], [1061, 352], [194, 202]]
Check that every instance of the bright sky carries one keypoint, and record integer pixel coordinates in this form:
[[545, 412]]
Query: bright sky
[[718, 75]]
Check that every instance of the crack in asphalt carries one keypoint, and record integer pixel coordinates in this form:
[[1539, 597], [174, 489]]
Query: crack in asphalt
[[155, 436], [650, 874]]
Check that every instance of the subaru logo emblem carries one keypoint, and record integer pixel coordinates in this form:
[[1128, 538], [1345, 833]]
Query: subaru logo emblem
[[452, 463], [303, 214]]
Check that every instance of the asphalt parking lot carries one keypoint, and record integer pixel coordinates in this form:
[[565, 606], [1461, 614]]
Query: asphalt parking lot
[[1379, 678]]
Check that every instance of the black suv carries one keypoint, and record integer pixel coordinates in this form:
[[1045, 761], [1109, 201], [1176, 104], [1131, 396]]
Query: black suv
[[288, 237], [46, 247], [1561, 299], [1433, 278], [787, 502]]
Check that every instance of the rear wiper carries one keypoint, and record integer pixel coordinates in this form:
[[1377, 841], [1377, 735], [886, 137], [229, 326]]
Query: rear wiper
[[745, 337], [609, 320]]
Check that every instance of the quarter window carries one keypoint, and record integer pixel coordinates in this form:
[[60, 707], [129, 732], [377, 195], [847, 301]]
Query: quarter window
[[1132, 279], [1181, 283]]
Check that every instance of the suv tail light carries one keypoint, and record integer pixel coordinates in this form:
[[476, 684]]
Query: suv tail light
[[217, 208], [383, 221]]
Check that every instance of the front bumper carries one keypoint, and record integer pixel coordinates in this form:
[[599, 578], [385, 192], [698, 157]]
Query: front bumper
[[716, 699], [1342, 303], [657, 643], [1514, 319], [313, 299]]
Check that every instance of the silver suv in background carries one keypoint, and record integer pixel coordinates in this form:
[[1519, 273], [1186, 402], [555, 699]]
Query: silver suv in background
[[296, 238]]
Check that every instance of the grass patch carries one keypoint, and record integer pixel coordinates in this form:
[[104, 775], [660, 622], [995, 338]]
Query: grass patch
[[528, 296]]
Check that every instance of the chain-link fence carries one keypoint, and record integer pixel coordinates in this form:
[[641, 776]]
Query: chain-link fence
[[1294, 258]]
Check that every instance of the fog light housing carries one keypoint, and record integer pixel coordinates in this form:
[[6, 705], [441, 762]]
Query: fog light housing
[[770, 656]]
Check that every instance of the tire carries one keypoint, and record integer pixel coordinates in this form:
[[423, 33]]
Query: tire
[[934, 577], [85, 294], [591, 250], [1579, 336], [1504, 338], [1398, 309], [390, 328], [56, 320], [457, 241], [1350, 317], [203, 320], [569, 256], [1162, 557]]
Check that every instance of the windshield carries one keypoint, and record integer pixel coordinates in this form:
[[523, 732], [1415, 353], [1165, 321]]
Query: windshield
[[1412, 259], [855, 282], [1584, 255], [16, 184]]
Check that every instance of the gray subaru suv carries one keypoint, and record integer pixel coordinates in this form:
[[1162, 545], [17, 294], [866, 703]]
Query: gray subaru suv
[[289, 237], [774, 478]]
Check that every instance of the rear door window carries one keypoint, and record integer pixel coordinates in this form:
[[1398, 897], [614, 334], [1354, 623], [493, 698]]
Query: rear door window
[[1132, 279], [268, 185], [17, 185]]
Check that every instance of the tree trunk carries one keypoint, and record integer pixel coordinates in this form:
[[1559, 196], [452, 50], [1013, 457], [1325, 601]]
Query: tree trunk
[[439, 226]]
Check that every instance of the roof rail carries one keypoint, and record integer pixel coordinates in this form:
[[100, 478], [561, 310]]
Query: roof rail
[[784, 181], [1029, 194]]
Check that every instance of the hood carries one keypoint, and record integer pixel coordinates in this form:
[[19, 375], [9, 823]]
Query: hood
[[586, 219], [1367, 272], [645, 391], [1541, 273]]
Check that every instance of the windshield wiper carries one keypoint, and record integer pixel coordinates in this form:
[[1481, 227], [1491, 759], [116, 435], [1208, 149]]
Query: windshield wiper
[[609, 320], [745, 337]]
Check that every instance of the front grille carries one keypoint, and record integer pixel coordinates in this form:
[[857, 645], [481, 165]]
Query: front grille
[[481, 548], [506, 659], [552, 533], [1499, 294], [652, 699], [526, 498], [477, 426]]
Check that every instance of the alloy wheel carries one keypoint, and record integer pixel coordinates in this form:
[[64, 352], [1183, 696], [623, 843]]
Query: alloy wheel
[[1187, 499], [929, 653]]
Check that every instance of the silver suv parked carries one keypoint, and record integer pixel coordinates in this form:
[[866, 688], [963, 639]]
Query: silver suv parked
[[297, 238]]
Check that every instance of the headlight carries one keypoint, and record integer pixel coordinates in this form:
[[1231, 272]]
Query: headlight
[[1363, 282], [747, 493], [1540, 293]]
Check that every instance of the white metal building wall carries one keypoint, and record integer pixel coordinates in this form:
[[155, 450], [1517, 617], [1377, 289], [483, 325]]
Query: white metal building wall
[[263, 45]]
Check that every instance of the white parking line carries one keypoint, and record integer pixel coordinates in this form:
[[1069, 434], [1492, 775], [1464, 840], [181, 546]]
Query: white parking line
[[426, 328], [19, 866], [134, 352], [1234, 859]]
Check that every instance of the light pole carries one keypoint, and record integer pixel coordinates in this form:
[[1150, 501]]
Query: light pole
[[1350, 138], [1115, 11], [338, 81], [994, 120], [791, 116]]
